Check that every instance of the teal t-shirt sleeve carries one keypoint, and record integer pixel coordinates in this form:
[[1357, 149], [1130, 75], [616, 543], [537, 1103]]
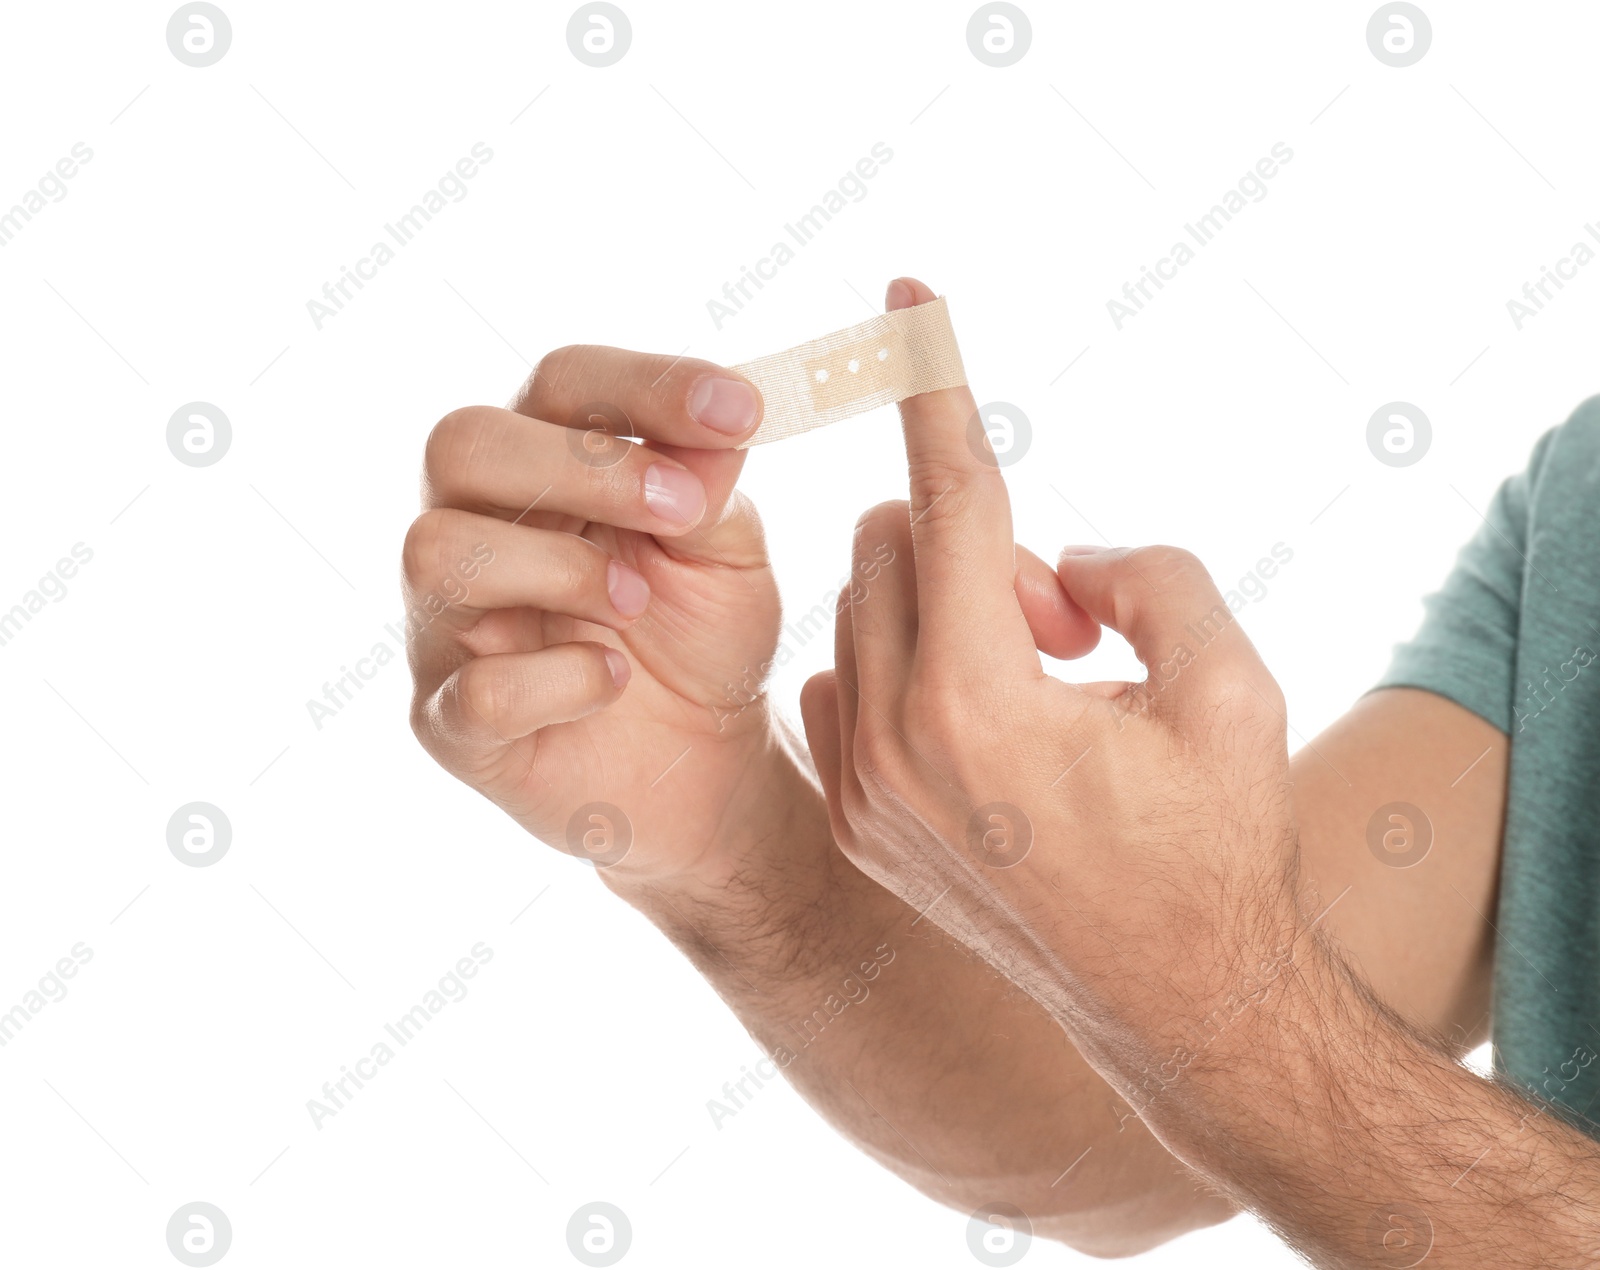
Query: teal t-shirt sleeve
[[1465, 649]]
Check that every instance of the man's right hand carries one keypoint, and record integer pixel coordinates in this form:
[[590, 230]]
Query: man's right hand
[[590, 613]]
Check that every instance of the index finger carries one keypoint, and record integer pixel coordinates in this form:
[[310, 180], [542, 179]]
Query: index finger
[[960, 516], [677, 400]]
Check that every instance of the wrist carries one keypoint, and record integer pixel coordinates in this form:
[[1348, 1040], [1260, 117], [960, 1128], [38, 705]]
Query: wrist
[[1227, 985], [1274, 1069], [1159, 996], [766, 814], [774, 898]]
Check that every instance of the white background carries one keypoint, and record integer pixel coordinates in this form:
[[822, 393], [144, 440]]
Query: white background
[[1229, 416]]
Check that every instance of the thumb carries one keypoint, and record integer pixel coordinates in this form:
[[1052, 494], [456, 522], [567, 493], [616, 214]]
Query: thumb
[[1164, 603], [729, 533], [1060, 628]]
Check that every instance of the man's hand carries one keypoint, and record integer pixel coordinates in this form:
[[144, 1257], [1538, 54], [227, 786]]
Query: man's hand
[[1123, 852], [588, 612], [1128, 854]]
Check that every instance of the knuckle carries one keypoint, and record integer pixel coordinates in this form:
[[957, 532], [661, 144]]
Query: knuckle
[[1256, 696], [878, 758], [581, 678], [667, 396], [671, 380], [1273, 693], [881, 533], [552, 365], [874, 752], [427, 723], [611, 477], [577, 567], [542, 387], [1167, 561], [1243, 709], [429, 543], [941, 489], [882, 519], [855, 805], [421, 725], [485, 690], [452, 442]]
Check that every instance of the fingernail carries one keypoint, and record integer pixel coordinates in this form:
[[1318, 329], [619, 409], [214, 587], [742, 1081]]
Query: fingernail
[[630, 593], [1081, 551], [621, 672], [728, 406], [674, 493]]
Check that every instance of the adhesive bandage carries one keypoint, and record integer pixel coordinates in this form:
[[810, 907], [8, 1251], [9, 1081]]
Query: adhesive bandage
[[882, 360]]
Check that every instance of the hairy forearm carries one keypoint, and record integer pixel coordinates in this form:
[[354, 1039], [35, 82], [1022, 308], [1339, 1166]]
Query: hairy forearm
[[1363, 1144], [909, 1044]]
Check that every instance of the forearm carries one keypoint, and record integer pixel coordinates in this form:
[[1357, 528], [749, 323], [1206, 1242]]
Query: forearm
[[1361, 1142], [909, 1044]]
